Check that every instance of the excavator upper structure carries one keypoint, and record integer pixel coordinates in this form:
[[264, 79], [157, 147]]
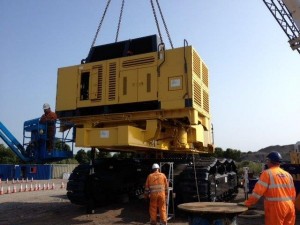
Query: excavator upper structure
[[139, 97]]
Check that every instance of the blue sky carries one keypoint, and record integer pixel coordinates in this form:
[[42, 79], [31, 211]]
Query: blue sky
[[254, 75]]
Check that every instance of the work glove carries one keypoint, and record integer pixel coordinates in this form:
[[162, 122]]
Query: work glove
[[241, 204]]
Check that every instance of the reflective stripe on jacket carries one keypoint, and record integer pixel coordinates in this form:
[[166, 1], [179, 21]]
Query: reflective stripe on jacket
[[156, 183], [275, 184]]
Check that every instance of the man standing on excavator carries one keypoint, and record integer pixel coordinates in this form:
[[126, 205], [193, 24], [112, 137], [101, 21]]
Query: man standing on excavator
[[277, 187], [156, 188]]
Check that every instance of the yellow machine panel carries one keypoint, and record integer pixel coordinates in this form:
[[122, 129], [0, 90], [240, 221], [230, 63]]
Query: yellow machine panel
[[66, 98], [156, 100], [112, 136]]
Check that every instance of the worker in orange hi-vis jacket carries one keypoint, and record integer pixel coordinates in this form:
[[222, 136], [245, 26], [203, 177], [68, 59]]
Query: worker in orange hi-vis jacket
[[277, 187], [49, 118], [156, 189]]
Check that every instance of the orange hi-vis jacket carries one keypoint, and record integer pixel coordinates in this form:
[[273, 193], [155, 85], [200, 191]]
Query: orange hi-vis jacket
[[156, 182], [157, 187], [50, 116], [277, 187]]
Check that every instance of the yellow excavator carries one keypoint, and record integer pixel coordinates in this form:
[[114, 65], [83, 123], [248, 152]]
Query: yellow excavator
[[151, 104]]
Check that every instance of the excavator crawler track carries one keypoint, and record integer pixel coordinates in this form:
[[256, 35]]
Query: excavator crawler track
[[120, 180]]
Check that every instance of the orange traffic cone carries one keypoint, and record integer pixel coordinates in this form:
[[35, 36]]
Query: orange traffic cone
[[8, 190], [31, 187], [1, 191], [14, 189]]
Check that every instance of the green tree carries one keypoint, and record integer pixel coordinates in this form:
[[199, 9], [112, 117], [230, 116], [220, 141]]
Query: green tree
[[82, 157], [254, 167], [233, 154], [7, 156], [67, 161], [103, 154], [122, 155], [219, 153], [59, 145]]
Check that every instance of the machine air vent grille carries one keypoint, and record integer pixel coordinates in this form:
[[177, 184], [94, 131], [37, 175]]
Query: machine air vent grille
[[197, 94], [124, 85], [148, 82], [196, 64], [112, 81], [100, 82], [138, 62], [204, 74], [205, 101]]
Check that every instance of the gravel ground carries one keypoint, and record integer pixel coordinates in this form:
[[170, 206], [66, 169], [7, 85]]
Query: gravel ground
[[51, 207]]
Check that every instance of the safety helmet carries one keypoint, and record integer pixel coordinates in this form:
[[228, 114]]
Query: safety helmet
[[274, 157], [155, 166], [46, 106]]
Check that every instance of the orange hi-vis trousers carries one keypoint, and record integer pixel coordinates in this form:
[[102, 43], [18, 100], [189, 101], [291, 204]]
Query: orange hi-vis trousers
[[158, 201], [279, 213]]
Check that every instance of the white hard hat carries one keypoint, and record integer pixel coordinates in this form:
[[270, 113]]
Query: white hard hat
[[46, 106], [155, 166]]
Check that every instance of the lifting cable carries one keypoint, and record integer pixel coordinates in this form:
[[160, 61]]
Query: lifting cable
[[165, 25], [100, 23], [120, 19], [196, 180], [157, 24]]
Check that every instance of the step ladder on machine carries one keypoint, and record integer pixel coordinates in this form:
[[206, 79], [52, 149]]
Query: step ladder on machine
[[170, 199]]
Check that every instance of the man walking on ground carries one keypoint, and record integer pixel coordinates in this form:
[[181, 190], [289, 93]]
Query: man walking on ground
[[277, 187]]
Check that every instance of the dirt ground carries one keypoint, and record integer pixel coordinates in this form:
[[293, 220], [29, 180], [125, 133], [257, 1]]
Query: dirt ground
[[51, 207]]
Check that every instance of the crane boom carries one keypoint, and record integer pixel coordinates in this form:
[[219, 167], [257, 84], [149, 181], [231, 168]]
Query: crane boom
[[294, 8], [287, 14]]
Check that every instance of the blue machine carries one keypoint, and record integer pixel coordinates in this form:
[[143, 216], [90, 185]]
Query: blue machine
[[35, 140]]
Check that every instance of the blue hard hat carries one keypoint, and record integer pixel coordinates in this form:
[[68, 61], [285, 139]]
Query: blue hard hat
[[274, 157]]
